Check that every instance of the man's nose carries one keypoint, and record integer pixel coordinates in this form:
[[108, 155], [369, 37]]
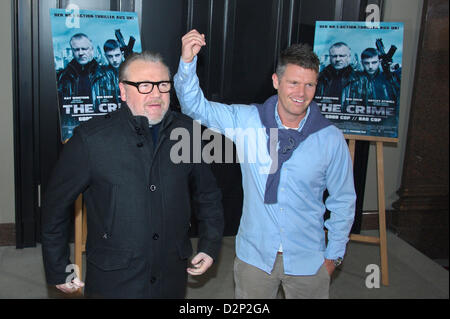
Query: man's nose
[[155, 92], [300, 90]]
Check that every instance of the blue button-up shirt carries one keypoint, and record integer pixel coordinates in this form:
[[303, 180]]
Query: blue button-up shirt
[[296, 221]]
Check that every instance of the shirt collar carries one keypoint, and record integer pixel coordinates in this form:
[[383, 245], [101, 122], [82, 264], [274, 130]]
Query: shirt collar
[[281, 126]]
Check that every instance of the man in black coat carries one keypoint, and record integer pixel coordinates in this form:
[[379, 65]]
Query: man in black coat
[[138, 199], [339, 80], [83, 79]]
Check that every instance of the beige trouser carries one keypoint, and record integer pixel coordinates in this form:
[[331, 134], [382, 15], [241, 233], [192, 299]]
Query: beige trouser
[[254, 283]]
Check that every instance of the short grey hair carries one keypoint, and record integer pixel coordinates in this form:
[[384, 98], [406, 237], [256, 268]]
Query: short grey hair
[[147, 56], [79, 36], [340, 45]]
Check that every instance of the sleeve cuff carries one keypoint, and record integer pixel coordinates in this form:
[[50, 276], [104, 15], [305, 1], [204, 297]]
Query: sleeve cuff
[[185, 69], [335, 250]]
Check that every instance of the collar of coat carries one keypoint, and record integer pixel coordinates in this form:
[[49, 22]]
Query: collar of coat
[[140, 122]]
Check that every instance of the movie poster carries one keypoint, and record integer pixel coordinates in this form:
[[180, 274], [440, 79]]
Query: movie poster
[[360, 73], [88, 48]]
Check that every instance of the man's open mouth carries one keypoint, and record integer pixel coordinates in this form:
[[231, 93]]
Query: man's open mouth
[[297, 100]]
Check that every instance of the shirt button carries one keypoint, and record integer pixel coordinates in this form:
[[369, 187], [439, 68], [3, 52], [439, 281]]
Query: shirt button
[[140, 144], [152, 188], [155, 236], [152, 280]]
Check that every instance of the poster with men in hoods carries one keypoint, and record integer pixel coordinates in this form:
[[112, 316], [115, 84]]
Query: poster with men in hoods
[[89, 47], [358, 87]]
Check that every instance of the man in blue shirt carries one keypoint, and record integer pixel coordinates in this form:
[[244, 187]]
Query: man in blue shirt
[[281, 237]]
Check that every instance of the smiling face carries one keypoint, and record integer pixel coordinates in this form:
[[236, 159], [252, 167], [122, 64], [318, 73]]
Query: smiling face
[[296, 89], [153, 105]]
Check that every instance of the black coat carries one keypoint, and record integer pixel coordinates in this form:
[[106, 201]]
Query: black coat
[[139, 205], [345, 84]]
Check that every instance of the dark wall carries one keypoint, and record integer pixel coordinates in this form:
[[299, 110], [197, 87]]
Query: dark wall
[[162, 24]]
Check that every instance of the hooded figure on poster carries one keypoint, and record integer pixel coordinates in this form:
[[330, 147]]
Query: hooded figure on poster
[[89, 47], [358, 87]]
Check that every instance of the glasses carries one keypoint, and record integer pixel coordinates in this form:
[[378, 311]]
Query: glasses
[[146, 87]]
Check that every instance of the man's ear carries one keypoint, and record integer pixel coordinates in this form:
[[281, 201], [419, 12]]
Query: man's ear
[[275, 81], [123, 95]]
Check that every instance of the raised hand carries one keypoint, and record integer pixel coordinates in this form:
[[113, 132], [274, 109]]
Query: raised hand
[[192, 43]]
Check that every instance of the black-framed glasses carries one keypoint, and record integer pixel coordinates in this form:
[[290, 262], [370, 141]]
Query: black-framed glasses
[[146, 87]]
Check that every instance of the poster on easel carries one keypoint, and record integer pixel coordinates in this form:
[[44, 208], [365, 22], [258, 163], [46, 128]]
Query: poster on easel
[[358, 87], [88, 48]]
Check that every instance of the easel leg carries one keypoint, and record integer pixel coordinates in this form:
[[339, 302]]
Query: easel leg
[[79, 235], [351, 147], [382, 215]]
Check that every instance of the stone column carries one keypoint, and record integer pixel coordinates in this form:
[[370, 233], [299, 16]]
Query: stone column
[[421, 213]]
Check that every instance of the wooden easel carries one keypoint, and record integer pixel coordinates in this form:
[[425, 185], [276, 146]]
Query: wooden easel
[[80, 234], [381, 240]]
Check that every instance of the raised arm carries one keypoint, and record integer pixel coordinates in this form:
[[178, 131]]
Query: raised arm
[[193, 103]]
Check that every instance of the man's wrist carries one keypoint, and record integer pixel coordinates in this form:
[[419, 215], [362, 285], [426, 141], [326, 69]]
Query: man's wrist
[[188, 61], [336, 262]]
